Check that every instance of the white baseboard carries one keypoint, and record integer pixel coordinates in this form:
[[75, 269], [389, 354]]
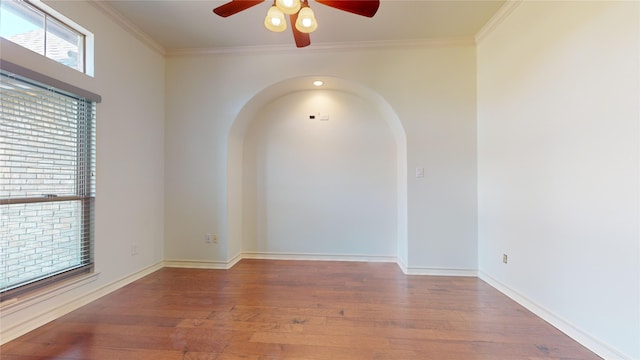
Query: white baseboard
[[601, 349], [40, 319], [433, 271], [200, 264], [317, 257], [234, 260], [403, 266], [415, 270]]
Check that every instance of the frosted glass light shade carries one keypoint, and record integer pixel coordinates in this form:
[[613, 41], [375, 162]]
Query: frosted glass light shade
[[306, 22], [275, 20], [288, 7]]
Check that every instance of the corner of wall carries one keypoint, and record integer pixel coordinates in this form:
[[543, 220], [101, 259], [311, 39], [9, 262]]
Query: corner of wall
[[500, 15], [600, 348]]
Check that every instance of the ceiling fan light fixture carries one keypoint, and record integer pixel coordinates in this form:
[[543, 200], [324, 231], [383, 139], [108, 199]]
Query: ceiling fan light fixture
[[274, 21], [301, 22], [306, 22], [288, 7], [318, 83]]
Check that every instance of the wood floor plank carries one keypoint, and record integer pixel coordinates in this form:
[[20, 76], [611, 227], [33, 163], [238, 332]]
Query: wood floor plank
[[313, 310]]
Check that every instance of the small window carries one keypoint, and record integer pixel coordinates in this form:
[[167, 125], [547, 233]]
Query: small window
[[29, 26]]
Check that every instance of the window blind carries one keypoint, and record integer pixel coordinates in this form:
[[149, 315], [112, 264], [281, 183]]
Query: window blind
[[47, 184]]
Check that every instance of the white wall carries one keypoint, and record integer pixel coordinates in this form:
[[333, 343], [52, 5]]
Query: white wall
[[558, 155], [317, 186], [130, 158], [431, 90]]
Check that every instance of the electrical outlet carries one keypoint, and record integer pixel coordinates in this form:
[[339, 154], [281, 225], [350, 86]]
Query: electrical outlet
[[504, 258], [134, 249], [208, 239], [215, 238]]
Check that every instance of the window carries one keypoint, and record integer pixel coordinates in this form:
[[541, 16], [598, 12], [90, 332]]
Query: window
[[32, 28], [47, 183]]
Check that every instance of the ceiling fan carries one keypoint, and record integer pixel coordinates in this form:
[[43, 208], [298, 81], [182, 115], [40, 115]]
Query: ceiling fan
[[301, 17]]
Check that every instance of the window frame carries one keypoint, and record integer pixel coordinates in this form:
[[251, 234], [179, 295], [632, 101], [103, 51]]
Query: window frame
[[61, 20], [82, 194]]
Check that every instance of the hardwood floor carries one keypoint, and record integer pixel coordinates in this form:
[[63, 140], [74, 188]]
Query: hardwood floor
[[263, 309]]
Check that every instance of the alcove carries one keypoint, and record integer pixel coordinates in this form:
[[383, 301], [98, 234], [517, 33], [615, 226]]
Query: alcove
[[305, 179]]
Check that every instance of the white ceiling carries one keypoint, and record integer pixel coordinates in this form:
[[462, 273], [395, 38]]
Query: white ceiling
[[191, 24]]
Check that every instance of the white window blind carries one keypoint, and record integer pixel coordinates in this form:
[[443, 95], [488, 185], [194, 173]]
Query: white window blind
[[47, 184]]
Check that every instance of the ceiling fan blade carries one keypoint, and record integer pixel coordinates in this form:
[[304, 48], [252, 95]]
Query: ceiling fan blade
[[302, 39], [366, 8], [235, 6]]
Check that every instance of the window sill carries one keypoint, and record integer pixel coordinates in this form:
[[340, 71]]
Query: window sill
[[10, 306]]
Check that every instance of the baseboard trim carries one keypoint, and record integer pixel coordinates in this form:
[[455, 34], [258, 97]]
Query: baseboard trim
[[198, 264], [433, 271], [234, 260], [598, 347], [317, 257], [403, 266], [8, 334]]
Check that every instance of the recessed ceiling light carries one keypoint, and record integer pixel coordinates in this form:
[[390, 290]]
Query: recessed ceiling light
[[318, 83]]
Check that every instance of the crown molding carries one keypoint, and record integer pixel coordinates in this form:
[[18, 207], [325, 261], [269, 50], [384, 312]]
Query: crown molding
[[128, 26], [500, 16], [502, 13], [343, 46]]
